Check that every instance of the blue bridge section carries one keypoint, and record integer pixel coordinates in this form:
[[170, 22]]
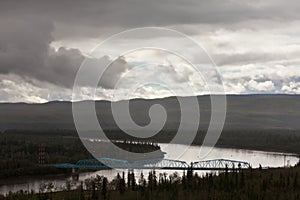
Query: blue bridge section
[[156, 164]]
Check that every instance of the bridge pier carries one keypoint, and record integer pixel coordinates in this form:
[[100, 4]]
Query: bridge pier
[[75, 174]]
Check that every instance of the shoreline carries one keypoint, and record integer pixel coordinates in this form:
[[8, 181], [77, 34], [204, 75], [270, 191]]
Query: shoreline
[[62, 176], [26, 178]]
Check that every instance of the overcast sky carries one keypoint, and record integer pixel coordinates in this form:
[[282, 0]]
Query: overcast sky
[[254, 43]]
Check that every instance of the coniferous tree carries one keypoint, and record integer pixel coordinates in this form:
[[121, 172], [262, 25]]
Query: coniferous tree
[[133, 183], [104, 188], [295, 185], [128, 179]]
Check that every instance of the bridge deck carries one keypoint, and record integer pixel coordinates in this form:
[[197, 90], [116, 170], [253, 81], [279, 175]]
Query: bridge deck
[[157, 164]]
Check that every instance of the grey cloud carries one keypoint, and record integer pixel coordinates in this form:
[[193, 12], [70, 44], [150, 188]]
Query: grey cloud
[[92, 18], [61, 66], [246, 58], [104, 69], [27, 29], [25, 50], [256, 57]]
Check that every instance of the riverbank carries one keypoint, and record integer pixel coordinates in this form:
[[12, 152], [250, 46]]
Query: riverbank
[[276, 140], [20, 152], [26, 178], [255, 158]]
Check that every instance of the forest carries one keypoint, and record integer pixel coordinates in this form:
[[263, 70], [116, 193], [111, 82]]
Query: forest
[[279, 183], [277, 140], [20, 154]]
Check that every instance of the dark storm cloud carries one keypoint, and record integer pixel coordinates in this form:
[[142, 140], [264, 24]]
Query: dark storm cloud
[[93, 18], [25, 50]]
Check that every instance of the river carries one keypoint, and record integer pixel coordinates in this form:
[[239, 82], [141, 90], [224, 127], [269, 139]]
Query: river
[[255, 158]]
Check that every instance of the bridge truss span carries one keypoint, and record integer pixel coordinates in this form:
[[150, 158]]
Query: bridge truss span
[[156, 164], [160, 164], [221, 164]]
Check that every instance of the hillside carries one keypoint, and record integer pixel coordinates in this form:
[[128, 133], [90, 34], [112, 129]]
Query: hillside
[[243, 112]]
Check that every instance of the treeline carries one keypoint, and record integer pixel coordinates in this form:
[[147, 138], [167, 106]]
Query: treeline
[[20, 154], [278, 140], [245, 184], [287, 141], [39, 132]]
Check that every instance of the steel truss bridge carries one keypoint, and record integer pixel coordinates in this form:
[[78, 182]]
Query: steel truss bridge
[[157, 164]]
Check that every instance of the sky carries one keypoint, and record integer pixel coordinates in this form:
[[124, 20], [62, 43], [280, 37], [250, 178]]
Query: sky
[[255, 45]]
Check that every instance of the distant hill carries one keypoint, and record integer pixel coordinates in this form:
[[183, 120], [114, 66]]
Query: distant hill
[[243, 112]]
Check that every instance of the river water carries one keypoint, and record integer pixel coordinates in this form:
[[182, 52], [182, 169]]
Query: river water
[[173, 151]]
